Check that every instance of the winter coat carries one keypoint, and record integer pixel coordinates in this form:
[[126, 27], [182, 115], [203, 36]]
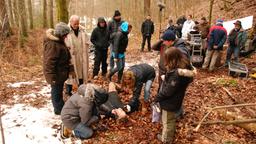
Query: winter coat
[[181, 21], [79, 49], [237, 39], [173, 89], [120, 43], [142, 73], [187, 27], [178, 43], [147, 28], [217, 36], [78, 108], [56, 59], [100, 36], [204, 30], [113, 27]]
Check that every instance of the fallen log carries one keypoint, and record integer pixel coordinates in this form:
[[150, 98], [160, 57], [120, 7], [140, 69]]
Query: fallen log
[[249, 126], [221, 107], [242, 121]]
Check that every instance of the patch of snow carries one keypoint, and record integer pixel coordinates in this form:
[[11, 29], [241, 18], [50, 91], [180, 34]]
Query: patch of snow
[[18, 84]]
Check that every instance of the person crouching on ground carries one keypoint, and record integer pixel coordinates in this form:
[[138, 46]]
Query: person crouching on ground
[[81, 110], [57, 63], [179, 73], [133, 79]]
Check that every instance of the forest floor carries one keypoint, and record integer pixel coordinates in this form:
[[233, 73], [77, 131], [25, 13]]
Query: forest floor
[[27, 114]]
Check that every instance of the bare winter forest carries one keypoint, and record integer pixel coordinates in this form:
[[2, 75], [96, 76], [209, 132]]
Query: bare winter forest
[[26, 111]]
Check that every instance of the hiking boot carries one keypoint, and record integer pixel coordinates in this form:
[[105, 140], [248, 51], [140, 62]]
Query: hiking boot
[[65, 132]]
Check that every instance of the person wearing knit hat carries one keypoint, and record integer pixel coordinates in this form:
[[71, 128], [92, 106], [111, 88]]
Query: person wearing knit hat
[[56, 63], [118, 52], [236, 42], [168, 39], [216, 39], [113, 27]]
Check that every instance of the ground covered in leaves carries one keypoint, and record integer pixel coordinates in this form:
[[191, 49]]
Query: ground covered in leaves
[[207, 90]]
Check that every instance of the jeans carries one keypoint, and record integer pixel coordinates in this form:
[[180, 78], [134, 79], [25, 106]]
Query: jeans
[[100, 59], [211, 58], [230, 51], [148, 85], [120, 64], [57, 97], [169, 126], [111, 58], [82, 131], [144, 38]]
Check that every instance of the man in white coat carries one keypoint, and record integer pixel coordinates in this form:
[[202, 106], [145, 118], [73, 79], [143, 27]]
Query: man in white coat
[[187, 27], [78, 43]]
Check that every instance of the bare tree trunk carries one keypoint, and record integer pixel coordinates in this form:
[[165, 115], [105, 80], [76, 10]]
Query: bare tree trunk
[[22, 22], [4, 21], [210, 11], [30, 14], [44, 14], [15, 12], [10, 16], [62, 11], [50, 8], [146, 7]]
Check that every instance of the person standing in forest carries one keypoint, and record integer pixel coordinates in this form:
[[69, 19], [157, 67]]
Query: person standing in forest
[[147, 29], [78, 43], [179, 74], [236, 42], [100, 39], [119, 47], [204, 28], [113, 27], [216, 39], [56, 63], [180, 23], [187, 27]]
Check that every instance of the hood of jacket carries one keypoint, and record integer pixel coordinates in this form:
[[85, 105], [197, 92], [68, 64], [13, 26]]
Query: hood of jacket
[[50, 35], [100, 20]]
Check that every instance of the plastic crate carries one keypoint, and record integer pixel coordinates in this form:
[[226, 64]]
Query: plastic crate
[[237, 69]]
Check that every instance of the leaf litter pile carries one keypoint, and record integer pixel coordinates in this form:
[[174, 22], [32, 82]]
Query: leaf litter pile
[[207, 90]]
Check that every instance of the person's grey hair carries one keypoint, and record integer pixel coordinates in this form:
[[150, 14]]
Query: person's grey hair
[[61, 29], [74, 17]]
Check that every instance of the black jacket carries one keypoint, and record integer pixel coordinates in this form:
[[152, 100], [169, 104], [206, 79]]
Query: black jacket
[[147, 28], [173, 89], [100, 37], [178, 43], [143, 73], [120, 43]]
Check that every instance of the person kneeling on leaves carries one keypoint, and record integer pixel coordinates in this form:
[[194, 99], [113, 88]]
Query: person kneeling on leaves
[[81, 110]]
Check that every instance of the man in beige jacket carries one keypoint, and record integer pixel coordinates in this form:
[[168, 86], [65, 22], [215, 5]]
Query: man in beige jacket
[[78, 43]]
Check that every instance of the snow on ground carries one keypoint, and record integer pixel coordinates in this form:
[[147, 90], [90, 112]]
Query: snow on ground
[[25, 124], [19, 84]]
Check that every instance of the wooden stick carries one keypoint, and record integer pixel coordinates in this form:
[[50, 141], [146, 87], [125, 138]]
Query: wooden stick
[[221, 107], [228, 122]]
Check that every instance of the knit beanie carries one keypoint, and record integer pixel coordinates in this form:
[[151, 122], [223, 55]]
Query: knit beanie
[[117, 13], [61, 29], [169, 36]]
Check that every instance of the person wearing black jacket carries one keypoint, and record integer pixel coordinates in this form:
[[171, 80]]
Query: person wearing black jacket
[[113, 27], [100, 39], [134, 78], [179, 74], [119, 47], [180, 23], [147, 29]]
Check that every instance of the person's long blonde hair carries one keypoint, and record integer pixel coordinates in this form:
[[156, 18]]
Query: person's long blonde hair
[[128, 75], [174, 58]]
